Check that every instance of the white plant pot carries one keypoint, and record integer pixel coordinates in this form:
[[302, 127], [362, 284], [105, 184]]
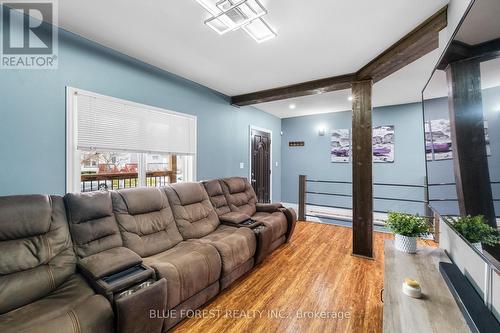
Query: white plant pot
[[478, 246], [406, 244]]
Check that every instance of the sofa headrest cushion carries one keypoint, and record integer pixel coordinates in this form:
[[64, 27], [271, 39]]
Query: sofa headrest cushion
[[22, 216], [236, 184], [143, 200], [213, 187], [83, 207], [189, 193]]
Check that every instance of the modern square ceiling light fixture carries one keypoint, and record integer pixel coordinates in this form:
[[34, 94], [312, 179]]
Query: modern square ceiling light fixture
[[231, 15]]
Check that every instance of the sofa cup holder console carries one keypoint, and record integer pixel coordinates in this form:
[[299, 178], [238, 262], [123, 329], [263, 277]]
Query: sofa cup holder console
[[138, 299], [139, 308], [252, 224], [128, 274]]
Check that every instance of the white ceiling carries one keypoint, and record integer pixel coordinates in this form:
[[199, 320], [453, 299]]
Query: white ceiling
[[316, 39], [482, 23]]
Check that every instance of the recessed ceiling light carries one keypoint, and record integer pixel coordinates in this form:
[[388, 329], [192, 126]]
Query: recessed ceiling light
[[231, 15], [292, 106], [349, 98]]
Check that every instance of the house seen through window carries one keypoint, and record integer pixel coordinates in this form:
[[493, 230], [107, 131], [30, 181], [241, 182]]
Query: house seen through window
[[116, 144], [117, 170]]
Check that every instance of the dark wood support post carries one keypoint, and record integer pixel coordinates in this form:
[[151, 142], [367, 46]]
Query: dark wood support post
[[172, 166], [427, 208], [302, 198], [362, 182], [437, 223], [469, 144], [429, 213]]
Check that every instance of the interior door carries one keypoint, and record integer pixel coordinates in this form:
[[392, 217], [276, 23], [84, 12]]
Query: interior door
[[261, 165]]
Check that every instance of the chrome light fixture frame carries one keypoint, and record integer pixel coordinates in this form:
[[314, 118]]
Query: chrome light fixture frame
[[271, 30], [236, 6], [219, 13]]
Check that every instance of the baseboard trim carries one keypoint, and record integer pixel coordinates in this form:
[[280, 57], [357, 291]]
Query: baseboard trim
[[335, 216]]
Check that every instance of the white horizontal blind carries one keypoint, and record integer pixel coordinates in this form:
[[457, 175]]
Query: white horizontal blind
[[110, 124]]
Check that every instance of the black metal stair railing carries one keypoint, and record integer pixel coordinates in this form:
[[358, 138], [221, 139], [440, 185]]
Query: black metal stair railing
[[304, 192], [424, 200]]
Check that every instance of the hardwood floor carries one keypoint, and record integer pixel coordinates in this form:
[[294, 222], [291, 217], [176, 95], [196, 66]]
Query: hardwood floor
[[314, 273]]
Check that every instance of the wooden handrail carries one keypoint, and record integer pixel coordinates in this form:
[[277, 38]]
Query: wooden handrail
[[160, 173], [124, 175]]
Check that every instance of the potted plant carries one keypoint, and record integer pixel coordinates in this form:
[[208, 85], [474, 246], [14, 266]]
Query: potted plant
[[407, 228], [476, 231]]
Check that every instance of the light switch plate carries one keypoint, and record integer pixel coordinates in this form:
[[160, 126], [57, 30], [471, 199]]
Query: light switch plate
[[242, 165]]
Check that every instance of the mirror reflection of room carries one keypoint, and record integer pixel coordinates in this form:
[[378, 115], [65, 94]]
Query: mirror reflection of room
[[462, 122]]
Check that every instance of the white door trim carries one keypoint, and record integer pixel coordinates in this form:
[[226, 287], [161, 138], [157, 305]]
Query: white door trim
[[72, 154], [265, 130]]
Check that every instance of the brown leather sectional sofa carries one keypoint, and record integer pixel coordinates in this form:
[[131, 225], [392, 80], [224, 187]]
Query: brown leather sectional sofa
[[130, 260]]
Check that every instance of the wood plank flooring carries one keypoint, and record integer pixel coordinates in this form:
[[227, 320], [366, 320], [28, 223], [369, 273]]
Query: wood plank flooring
[[314, 274]]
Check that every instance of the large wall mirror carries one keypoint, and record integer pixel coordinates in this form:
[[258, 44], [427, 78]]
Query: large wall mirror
[[462, 121]]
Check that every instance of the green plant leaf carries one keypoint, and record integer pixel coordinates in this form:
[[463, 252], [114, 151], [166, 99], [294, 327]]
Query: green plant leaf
[[476, 230], [407, 224]]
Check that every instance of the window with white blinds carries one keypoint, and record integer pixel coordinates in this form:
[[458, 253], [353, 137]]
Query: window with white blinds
[[105, 123], [111, 143]]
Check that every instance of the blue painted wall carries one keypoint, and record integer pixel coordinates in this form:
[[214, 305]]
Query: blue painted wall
[[313, 160], [32, 116]]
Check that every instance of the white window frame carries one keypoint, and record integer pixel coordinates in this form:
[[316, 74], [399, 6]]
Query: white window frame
[[73, 171], [265, 130]]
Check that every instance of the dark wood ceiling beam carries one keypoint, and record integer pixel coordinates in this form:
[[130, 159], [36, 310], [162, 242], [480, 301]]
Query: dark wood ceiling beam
[[455, 52], [489, 49], [414, 45], [296, 90], [413, 53], [459, 51], [420, 41]]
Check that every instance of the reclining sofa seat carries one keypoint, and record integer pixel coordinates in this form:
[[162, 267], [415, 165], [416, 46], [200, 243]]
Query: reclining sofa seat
[[102, 258], [240, 197], [147, 226], [198, 222], [263, 234], [96, 237], [39, 289]]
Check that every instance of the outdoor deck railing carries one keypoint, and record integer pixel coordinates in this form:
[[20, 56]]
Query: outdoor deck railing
[[120, 180]]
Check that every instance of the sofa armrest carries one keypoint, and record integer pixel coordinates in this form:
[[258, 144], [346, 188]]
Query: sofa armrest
[[234, 217], [112, 285], [239, 220], [291, 219], [268, 207], [108, 262], [114, 270]]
